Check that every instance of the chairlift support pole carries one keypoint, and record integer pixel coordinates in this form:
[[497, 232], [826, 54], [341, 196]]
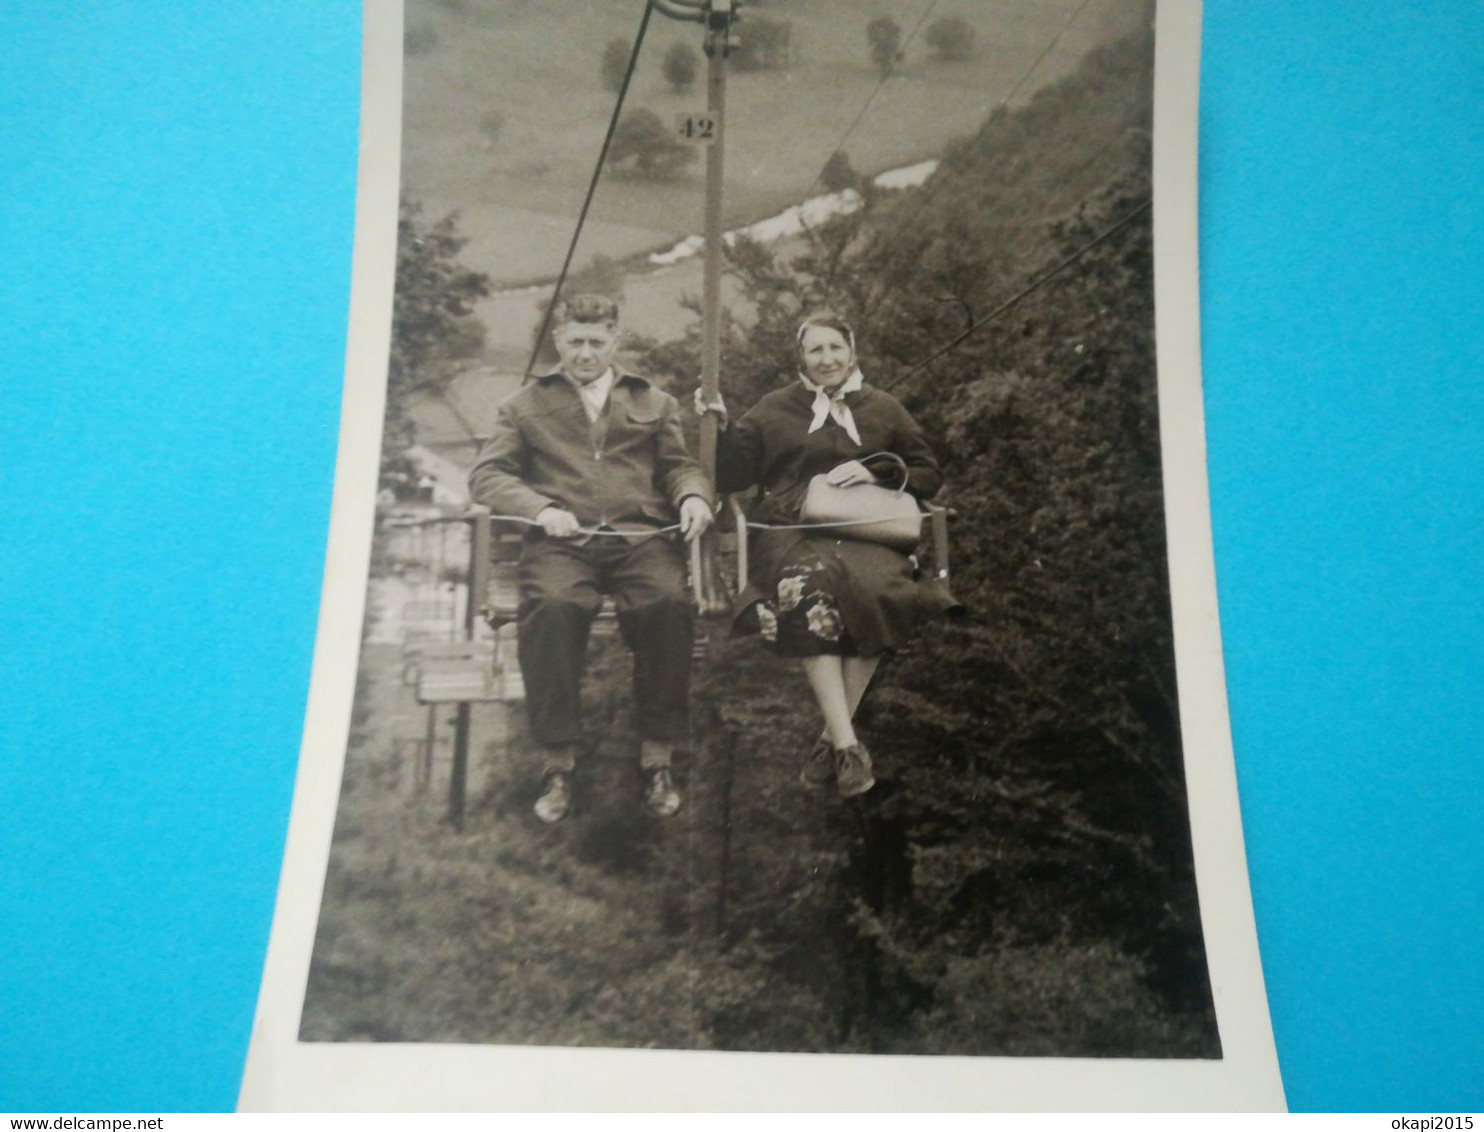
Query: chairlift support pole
[[478, 519], [718, 30], [716, 17]]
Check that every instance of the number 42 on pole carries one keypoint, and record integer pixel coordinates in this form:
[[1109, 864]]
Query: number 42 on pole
[[697, 128]]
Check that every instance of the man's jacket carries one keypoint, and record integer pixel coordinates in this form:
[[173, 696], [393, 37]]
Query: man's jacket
[[629, 468]]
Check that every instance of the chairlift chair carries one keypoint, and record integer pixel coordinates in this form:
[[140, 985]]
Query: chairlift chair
[[502, 594]]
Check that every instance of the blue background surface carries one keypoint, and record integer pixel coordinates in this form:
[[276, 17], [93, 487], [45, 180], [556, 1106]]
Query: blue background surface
[[178, 191]]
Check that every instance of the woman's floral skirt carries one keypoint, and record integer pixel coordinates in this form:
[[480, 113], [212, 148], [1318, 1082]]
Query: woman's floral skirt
[[839, 597], [802, 617]]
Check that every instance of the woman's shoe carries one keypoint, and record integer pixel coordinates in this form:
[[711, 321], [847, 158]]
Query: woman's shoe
[[853, 770], [819, 767]]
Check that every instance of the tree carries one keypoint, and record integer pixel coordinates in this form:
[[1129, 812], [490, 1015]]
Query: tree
[[951, 38], [681, 65], [433, 327], [765, 44], [838, 174], [644, 147], [884, 40], [615, 63], [491, 125]]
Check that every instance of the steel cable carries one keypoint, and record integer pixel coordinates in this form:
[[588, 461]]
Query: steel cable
[[592, 186], [1022, 293]]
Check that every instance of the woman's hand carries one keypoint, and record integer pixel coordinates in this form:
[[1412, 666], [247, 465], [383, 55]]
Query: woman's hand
[[717, 406], [695, 517], [849, 474]]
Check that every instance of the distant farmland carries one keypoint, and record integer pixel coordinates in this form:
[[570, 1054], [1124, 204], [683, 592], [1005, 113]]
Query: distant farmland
[[505, 110]]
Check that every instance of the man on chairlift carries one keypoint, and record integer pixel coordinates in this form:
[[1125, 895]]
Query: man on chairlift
[[593, 456]]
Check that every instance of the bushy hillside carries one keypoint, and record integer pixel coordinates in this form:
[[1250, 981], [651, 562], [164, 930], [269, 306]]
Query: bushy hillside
[[1037, 797]]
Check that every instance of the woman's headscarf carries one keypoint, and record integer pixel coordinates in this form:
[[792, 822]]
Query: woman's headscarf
[[830, 404]]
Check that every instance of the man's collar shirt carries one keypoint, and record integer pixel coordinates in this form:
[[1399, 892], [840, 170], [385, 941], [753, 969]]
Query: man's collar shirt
[[595, 394]]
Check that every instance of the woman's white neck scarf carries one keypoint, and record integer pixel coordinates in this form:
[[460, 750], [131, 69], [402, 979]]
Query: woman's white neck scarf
[[830, 404]]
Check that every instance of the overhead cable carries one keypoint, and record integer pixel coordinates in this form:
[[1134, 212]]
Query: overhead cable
[[885, 74], [1010, 302], [592, 186], [946, 172]]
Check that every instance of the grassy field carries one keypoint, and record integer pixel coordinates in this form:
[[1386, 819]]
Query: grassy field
[[535, 63]]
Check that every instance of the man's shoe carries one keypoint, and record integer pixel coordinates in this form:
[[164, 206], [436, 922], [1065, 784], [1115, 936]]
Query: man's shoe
[[660, 796], [819, 767], [853, 771], [555, 802]]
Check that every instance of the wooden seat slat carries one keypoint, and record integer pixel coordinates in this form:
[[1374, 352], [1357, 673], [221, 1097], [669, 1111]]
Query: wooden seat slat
[[448, 650], [463, 683]]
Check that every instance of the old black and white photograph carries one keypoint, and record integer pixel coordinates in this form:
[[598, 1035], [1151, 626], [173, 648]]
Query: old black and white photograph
[[764, 633]]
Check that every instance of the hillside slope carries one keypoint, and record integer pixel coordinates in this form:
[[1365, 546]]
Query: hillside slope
[[535, 64]]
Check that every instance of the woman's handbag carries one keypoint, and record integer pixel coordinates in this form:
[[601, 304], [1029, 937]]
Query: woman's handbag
[[865, 511]]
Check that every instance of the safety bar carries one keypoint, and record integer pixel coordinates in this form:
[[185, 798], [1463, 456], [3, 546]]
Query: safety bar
[[739, 517], [681, 10]]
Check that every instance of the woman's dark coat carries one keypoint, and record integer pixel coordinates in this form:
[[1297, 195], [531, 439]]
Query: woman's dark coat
[[771, 447]]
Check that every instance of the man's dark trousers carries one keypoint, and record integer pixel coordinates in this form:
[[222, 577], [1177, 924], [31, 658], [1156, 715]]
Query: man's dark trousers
[[562, 584]]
